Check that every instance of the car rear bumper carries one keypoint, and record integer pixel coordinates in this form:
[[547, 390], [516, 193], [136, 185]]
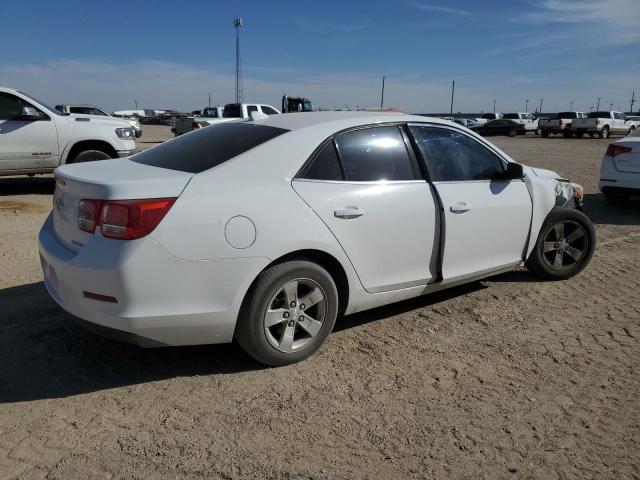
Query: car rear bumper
[[159, 298]]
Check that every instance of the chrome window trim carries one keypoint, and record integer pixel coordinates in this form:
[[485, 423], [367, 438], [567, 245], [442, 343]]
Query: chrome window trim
[[374, 182]]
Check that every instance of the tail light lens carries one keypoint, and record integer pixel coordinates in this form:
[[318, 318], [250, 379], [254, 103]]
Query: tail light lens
[[613, 149], [123, 219], [195, 125], [88, 213]]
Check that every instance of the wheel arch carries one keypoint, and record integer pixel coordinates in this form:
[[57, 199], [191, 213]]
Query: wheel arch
[[84, 145]]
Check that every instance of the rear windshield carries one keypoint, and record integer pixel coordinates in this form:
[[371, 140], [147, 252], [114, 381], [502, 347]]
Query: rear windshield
[[599, 115], [232, 110], [207, 148]]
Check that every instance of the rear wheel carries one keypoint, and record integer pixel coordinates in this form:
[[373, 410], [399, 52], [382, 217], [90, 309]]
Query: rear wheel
[[513, 132], [579, 134], [564, 246], [90, 156], [604, 133], [545, 133], [539, 131], [288, 314]]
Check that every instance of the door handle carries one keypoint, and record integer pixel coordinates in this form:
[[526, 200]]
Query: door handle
[[460, 207], [348, 213]]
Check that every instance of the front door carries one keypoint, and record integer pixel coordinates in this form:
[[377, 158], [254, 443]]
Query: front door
[[367, 188], [25, 144], [486, 218]]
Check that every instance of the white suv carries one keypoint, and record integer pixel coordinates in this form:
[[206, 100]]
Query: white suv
[[35, 138]]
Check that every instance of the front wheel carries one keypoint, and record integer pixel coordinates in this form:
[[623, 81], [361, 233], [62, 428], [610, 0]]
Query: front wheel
[[513, 132], [539, 131], [604, 133], [545, 133], [90, 156], [288, 313], [564, 246], [579, 134]]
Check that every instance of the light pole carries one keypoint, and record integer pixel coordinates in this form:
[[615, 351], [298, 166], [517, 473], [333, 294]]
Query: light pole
[[611, 106], [540, 111], [382, 93], [526, 106], [237, 23], [453, 89], [494, 105], [571, 107], [209, 99], [136, 102], [598, 104]]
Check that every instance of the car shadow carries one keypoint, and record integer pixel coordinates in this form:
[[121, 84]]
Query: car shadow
[[45, 354], [602, 213], [41, 185]]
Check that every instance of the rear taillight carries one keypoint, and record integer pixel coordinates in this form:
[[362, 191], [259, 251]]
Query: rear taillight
[[613, 149], [88, 213], [195, 125], [123, 219]]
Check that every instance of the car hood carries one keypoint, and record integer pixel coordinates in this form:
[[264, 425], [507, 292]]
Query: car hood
[[544, 173], [102, 120]]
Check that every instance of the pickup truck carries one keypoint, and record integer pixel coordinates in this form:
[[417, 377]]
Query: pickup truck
[[487, 117], [36, 138], [562, 123], [603, 124], [231, 112], [529, 122], [98, 113]]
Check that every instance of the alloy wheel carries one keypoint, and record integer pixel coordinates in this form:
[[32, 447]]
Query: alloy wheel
[[565, 245], [295, 315]]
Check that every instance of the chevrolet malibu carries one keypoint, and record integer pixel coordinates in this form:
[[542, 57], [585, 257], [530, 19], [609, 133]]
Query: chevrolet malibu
[[264, 231]]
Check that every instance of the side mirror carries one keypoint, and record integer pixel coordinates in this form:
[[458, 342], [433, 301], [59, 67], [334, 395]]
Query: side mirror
[[29, 113], [514, 171]]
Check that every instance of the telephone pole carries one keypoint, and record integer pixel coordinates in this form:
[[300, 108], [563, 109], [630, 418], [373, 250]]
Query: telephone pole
[[494, 105], [382, 93], [571, 107], [237, 23], [633, 100], [453, 89], [209, 99], [136, 102], [598, 104], [611, 106], [540, 111], [526, 106]]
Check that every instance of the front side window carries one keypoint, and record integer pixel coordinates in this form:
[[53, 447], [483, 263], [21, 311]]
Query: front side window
[[208, 147], [375, 154], [453, 156], [10, 106]]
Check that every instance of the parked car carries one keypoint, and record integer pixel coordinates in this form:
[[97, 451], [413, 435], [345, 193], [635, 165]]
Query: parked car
[[603, 124], [561, 124], [620, 169], [230, 112], [466, 122], [500, 127], [487, 117], [179, 245], [528, 120], [84, 110], [36, 138]]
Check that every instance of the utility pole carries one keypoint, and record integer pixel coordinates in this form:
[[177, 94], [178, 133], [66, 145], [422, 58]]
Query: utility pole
[[494, 105], [526, 106], [611, 106], [237, 23], [453, 89], [598, 105], [382, 94], [633, 100], [571, 107], [136, 102], [540, 111], [209, 99]]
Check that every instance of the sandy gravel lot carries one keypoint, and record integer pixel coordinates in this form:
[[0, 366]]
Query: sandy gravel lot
[[505, 378]]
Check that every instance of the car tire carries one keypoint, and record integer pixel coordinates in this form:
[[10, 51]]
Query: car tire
[[90, 156], [539, 131], [565, 245], [545, 133], [276, 340], [579, 134], [616, 198], [513, 132], [604, 133]]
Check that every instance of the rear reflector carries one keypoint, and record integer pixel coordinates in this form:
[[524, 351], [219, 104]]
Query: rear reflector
[[123, 219], [615, 149], [97, 296]]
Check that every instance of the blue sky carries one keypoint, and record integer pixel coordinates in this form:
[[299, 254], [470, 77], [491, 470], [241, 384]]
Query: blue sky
[[171, 54]]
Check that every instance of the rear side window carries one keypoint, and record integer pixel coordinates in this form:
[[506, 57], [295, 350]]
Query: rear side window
[[374, 154], [10, 106], [208, 147], [511, 116], [251, 109], [454, 157], [232, 110], [324, 166], [599, 115]]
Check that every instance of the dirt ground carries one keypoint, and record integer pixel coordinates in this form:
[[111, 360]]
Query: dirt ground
[[505, 378]]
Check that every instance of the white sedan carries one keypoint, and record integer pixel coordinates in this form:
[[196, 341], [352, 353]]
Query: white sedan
[[264, 231], [620, 169]]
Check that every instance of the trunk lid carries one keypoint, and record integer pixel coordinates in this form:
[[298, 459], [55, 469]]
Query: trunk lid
[[119, 179]]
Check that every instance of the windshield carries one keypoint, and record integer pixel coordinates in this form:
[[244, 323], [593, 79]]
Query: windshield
[[599, 115], [208, 147], [51, 109]]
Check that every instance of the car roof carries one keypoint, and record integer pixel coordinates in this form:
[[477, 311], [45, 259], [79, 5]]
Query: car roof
[[298, 121]]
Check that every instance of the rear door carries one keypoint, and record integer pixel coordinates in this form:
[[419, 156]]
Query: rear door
[[486, 218], [25, 144], [619, 123], [368, 189]]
